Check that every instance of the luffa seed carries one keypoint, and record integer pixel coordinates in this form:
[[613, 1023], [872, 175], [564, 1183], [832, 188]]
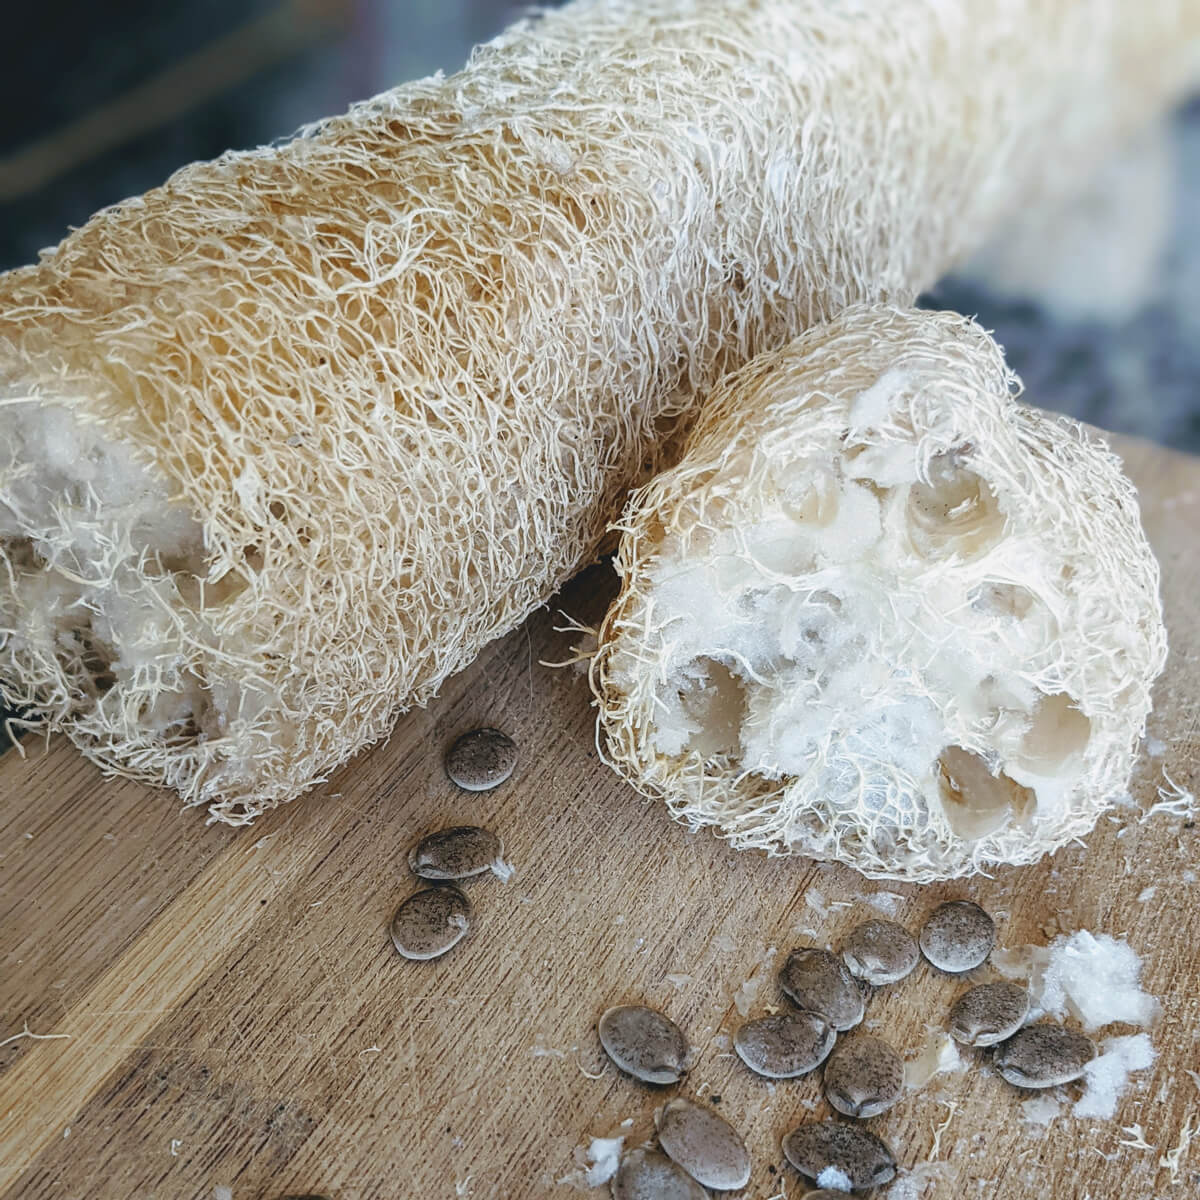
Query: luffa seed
[[644, 1043], [819, 982]]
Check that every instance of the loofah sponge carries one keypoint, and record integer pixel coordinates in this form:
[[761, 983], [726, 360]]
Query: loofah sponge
[[880, 612], [286, 441]]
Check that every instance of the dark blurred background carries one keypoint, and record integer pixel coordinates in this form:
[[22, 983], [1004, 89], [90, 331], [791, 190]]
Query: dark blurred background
[[102, 101]]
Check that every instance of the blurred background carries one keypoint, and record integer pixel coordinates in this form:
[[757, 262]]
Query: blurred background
[[102, 101]]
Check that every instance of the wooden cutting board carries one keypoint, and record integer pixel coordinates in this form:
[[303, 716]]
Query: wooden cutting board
[[216, 1012]]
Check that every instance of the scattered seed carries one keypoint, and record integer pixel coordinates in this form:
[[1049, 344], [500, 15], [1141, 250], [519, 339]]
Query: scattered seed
[[481, 759], [958, 936], [644, 1043], [860, 1156], [1041, 1056], [784, 1045], [456, 853], [704, 1144], [864, 1077], [880, 952], [817, 981], [430, 922], [648, 1175], [988, 1014]]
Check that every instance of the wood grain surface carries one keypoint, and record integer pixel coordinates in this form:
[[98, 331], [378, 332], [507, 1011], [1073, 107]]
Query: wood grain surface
[[216, 1013]]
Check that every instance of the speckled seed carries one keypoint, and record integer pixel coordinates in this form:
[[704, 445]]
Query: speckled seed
[[989, 1013], [880, 952], [864, 1077], [648, 1175], [704, 1144], [1042, 1056], [644, 1043], [481, 759], [818, 981], [429, 923], [958, 936], [456, 853], [785, 1044], [859, 1155]]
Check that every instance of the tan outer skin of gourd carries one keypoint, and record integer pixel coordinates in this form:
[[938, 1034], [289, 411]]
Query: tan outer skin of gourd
[[402, 370]]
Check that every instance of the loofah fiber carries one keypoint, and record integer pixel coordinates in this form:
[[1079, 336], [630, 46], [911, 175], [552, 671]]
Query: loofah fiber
[[285, 441], [882, 613]]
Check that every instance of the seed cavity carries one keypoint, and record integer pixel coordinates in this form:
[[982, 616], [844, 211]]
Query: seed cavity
[[818, 981], [1042, 1056], [431, 922], [704, 1144], [976, 802], [784, 1045], [958, 936], [456, 853], [988, 1013], [864, 1077], [644, 1043], [481, 759], [648, 1175], [880, 952], [861, 1157]]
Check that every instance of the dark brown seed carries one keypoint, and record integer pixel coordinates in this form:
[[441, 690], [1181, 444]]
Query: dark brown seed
[[817, 981], [880, 952], [429, 923], [456, 853], [989, 1013], [864, 1077], [860, 1156], [704, 1144], [644, 1043], [648, 1175], [958, 936], [1042, 1056], [785, 1044], [481, 759]]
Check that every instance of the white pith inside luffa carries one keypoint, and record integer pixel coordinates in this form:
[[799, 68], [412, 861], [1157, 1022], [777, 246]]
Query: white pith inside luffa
[[881, 612]]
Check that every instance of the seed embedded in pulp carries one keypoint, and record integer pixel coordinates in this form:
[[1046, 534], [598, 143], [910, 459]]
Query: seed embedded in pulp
[[704, 1144], [880, 952], [958, 936], [456, 853], [864, 1077], [644, 1043], [648, 1175], [988, 1013], [818, 981], [784, 1045], [862, 1157], [481, 759], [1042, 1056], [429, 923]]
